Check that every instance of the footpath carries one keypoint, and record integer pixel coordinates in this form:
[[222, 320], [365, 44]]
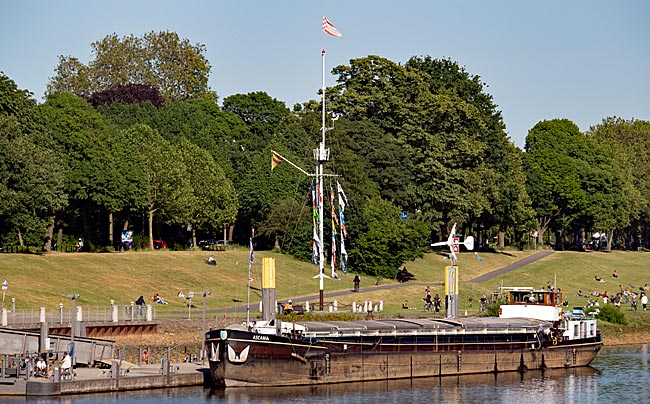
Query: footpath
[[483, 278]]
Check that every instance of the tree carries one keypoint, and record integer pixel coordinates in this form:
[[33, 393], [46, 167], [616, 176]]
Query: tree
[[31, 184], [80, 136], [31, 174], [383, 240], [169, 191], [572, 177], [214, 201], [628, 142], [178, 69], [127, 94]]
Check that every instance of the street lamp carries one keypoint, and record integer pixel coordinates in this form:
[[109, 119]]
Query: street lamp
[[73, 320]]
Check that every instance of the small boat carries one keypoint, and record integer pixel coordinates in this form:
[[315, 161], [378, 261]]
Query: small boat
[[532, 333]]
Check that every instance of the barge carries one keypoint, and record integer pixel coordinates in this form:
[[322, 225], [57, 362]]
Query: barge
[[532, 333]]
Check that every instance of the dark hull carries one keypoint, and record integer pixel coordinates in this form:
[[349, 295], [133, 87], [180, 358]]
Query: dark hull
[[243, 358]]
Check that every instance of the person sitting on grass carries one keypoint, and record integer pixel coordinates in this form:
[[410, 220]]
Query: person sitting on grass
[[405, 304]]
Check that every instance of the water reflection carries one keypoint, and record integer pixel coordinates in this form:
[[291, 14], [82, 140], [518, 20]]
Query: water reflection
[[555, 386], [619, 374]]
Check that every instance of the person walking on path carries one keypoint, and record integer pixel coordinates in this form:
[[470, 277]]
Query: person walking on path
[[356, 281]]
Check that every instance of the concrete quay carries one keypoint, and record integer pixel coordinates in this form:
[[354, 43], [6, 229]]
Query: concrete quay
[[96, 380]]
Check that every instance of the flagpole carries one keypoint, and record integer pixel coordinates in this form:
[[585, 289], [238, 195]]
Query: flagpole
[[319, 170]]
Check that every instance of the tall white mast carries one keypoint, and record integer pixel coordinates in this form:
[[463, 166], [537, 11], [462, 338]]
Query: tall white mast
[[321, 155]]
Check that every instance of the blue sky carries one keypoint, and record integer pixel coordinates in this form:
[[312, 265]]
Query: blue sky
[[581, 60]]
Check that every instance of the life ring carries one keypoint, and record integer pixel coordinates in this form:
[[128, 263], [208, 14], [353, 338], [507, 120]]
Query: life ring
[[145, 356]]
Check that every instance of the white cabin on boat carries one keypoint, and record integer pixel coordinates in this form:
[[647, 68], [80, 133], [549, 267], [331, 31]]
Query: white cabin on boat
[[546, 305], [543, 305]]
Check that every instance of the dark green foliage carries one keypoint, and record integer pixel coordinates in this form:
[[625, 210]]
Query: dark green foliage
[[127, 94], [609, 313]]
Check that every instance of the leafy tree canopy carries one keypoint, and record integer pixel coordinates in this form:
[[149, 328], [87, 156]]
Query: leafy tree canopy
[[178, 69]]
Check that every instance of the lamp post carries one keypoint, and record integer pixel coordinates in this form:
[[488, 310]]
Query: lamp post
[[73, 320], [205, 295]]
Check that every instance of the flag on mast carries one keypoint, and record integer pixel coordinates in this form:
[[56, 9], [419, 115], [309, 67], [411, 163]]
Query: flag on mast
[[329, 29], [343, 200], [252, 252], [334, 223], [315, 243], [276, 159]]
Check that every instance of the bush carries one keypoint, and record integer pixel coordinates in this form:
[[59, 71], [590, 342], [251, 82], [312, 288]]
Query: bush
[[608, 313]]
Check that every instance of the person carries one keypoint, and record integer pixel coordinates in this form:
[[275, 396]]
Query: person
[[598, 278], [41, 367], [483, 302], [212, 261], [644, 301], [180, 294], [540, 332], [79, 245], [605, 297], [66, 366], [158, 299], [356, 281], [427, 292], [436, 303], [470, 299], [288, 308], [335, 275], [428, 304], [405, 304], [614, 274], [141, 303], [580, 294]]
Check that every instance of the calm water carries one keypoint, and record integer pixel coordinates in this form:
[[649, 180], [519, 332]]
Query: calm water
[[617, 375]]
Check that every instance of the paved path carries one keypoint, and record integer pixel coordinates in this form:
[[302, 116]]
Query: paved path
[[515, 265], [483, 278]]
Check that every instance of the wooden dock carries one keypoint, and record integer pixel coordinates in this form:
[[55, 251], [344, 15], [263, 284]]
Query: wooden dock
[[95, 380]]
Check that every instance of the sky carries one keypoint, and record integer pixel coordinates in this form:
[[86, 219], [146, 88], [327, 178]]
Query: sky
[[581, 60]]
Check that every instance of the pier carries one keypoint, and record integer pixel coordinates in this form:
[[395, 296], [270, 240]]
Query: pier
[[95, 380]]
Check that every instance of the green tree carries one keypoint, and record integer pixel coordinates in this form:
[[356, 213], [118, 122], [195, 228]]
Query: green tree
[[383, 241], [79, 134], [214, 201], [31, 185], [571, 176], [169, 192], [162, 60]]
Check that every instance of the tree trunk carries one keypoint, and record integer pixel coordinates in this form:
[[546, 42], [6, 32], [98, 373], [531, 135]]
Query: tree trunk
[[502, 236], [59, 237], [193, 237], [49, 233], [20, 239], [110, 228], [151, 229]]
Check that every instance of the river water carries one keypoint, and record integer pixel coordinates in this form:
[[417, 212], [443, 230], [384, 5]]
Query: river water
[[620, 374]]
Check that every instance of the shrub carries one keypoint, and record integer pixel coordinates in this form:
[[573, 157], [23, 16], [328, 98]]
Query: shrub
[[609, 313]]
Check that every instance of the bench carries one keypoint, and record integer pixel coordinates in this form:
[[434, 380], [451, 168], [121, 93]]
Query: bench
[[297, 308]]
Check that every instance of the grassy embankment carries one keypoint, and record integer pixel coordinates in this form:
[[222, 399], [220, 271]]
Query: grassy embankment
[[43, 281]]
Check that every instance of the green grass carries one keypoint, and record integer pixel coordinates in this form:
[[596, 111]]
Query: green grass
[[44, 280]]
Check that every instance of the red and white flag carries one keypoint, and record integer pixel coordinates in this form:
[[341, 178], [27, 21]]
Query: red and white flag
[[329, 29]]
